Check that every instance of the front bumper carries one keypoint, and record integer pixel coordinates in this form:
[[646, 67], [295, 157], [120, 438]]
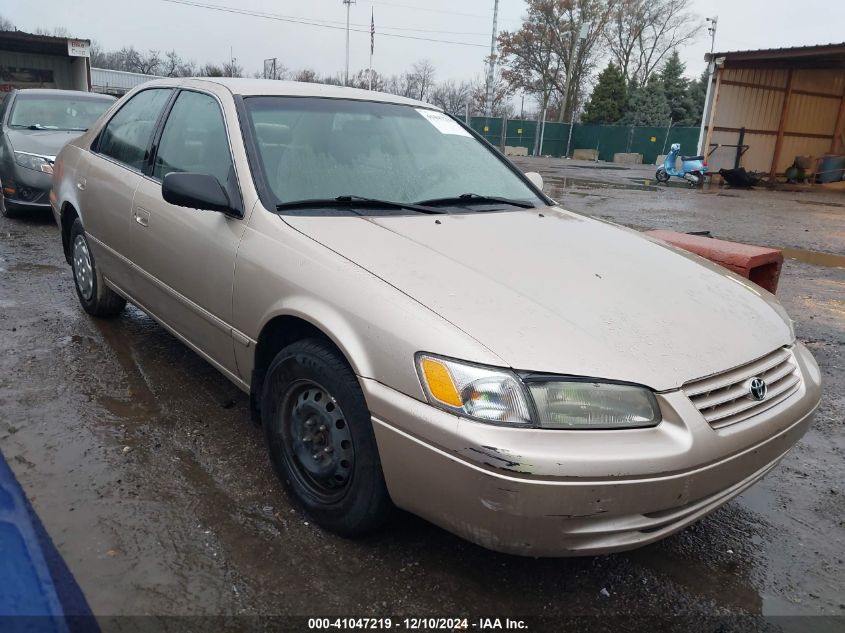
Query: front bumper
[[566, 493], [26, 189]]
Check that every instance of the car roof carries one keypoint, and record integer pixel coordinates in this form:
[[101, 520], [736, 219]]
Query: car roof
[[72, 93], [269, 87]]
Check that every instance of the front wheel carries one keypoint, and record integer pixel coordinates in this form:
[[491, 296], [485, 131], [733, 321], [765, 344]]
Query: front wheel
[[320, 438], [662, 175], [96, 298]]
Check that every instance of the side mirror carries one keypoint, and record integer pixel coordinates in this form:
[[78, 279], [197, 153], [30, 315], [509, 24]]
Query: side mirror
[[535, 178], [196, 191]]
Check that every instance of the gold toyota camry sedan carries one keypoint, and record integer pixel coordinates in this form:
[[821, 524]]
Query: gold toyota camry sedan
[[419, 326]]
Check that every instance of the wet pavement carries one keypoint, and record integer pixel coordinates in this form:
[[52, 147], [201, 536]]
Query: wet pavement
[[145, 468]]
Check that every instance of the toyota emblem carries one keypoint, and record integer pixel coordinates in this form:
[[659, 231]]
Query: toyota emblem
[[758, 389]]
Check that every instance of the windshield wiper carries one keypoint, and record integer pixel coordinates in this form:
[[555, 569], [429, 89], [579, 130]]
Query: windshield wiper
[[354, 201], [38, 126], [477, 198]]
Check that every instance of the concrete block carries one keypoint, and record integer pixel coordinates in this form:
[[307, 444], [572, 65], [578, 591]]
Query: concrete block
[[515, 151], [759, 264], [585, 154], [628, 159]]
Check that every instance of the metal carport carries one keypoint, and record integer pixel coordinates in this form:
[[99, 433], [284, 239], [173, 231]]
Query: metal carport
[[780, 103]]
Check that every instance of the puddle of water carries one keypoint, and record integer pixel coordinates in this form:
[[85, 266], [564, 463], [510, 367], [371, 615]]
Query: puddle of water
[[816, 258], [819, 203], [29, 267]]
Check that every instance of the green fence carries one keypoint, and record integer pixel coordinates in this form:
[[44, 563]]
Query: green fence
[[607, 139]]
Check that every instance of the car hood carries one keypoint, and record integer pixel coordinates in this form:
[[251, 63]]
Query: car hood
[[43, 142], [552, 291]]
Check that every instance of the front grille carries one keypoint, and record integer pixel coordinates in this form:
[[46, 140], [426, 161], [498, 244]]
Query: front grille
[[724, 399]]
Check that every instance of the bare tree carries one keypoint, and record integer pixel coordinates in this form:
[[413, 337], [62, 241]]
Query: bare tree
[[453, 96], [135, 61], [421, 79], [531, 56], [361, 79], [6, 25], [273, 69], [306, 75], [502, 92], [211, 70], [58, 31], [233, 69], [642, 32], [579, 55], [401, 85], [174, 66]]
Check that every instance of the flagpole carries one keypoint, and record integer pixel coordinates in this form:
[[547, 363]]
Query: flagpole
[[372, 45]]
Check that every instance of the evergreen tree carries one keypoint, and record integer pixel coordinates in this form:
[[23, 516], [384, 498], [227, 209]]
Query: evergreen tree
[[677, 89], [607, 102], [647, 105], [698, 94]]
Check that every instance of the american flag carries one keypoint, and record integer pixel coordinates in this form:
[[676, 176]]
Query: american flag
[[372, 32]]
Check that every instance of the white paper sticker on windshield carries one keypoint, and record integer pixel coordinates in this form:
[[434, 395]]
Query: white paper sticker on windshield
[[442, 122]]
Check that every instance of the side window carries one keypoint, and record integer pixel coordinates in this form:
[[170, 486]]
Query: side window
[[194, 140], [126, 136]]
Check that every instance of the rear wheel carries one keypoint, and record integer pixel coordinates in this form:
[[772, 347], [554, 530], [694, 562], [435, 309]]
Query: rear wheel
[[96, 298], [321, 440], [662, 175]]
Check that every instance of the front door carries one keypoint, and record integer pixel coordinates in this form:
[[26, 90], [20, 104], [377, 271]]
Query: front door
[[185, 258], [108, 176]]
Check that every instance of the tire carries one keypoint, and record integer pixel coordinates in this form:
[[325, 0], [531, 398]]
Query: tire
[[662, 175], [311, 402], [96, 298]]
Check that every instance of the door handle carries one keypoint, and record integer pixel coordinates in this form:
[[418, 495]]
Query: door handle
[[81, 184], [142, 216]]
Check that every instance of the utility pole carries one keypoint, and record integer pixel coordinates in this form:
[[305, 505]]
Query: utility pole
[[491, 67], [582, 35], [348, 4], [711, 68]]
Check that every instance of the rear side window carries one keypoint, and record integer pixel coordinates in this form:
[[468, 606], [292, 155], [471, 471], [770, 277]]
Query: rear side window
[[194, 140], [126, 136]]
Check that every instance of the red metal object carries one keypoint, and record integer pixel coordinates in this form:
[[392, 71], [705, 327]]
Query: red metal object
[[759, 264]]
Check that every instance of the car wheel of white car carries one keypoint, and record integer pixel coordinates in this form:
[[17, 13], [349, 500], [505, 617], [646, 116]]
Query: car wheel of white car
[[96, 298], [321, 439]]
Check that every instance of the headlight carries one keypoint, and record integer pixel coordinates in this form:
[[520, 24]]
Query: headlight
[[33, 161], [490, 395], [501, 396], [593, 405]]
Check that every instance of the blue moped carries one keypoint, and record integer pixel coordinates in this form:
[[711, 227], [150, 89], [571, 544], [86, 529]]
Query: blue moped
[[692, 168]]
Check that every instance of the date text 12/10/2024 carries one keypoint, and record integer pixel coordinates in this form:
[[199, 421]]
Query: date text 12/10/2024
[[416, 624]]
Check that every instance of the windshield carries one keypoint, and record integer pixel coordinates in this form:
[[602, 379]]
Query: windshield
[[312, 148], [56, 112]]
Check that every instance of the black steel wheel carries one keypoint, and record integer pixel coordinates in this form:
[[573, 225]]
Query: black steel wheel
[[320, 438], [662, 175], [318, 444]]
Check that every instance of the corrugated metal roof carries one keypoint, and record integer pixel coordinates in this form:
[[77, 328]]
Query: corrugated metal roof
[[119, 79], [791, 52]]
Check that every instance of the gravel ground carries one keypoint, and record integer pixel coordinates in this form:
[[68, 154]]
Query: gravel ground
[[148, 474]]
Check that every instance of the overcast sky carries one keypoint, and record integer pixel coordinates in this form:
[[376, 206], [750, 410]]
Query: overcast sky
[[206, 35]]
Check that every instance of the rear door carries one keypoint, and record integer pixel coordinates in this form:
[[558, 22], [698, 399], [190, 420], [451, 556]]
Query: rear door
[[108, 176], [186, 257]]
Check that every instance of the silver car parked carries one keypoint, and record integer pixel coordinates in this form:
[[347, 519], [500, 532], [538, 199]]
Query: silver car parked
[[418, 325]]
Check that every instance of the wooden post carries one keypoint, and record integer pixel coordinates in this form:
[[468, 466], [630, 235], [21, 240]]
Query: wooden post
[[711, 120], [837, 145], [784, 113]]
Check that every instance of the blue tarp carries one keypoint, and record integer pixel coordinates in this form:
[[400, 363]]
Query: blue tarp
[[38, 593]]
